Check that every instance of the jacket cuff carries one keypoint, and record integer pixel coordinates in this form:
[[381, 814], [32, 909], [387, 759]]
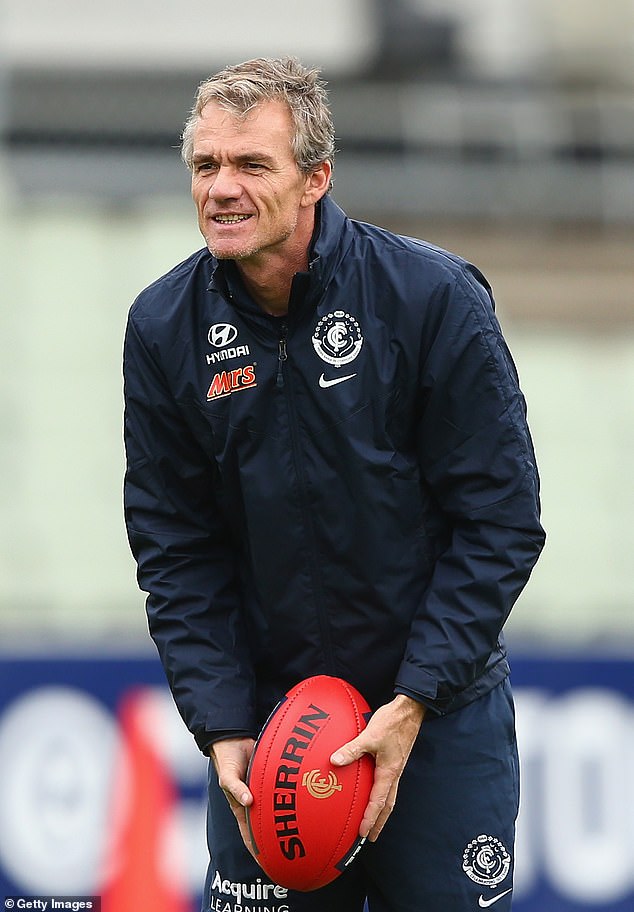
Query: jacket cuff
[[420, 685], [226, 721], [204, 739]]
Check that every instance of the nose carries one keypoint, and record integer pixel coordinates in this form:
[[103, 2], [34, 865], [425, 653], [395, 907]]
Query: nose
[[225, 184]]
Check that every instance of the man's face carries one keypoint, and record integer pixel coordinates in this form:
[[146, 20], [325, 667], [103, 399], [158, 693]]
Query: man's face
[[249, 193]]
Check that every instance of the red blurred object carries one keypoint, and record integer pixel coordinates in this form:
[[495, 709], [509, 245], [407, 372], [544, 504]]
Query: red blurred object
[[141, 857]]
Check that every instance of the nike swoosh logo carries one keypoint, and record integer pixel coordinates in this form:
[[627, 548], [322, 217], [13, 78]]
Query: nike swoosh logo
[[485, 903], [326, 383]]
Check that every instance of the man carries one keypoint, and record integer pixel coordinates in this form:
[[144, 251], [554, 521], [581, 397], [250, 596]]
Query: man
[[330, 472]]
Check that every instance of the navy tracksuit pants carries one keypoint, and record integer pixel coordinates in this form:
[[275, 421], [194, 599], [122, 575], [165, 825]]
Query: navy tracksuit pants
[[448, 845]]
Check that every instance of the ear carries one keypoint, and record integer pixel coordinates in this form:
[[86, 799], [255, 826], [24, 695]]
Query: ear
[[317, 184]]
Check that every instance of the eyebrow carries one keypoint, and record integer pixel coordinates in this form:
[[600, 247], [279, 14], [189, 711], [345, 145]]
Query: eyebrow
[[261, 157]]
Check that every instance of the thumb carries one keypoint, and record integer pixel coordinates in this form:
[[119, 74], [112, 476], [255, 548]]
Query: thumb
[[236, 792], [348, 753]]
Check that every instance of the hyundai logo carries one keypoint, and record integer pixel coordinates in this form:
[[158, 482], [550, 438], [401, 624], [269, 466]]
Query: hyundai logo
[[221, 334]]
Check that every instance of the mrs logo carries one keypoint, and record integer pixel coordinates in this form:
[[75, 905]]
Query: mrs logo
[[319, 786], [232, 381]]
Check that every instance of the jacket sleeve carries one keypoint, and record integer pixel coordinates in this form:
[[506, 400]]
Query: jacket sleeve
[[478, 468], [184, 555]]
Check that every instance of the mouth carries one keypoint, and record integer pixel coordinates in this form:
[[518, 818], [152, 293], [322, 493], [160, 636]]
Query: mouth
[[229, 219]]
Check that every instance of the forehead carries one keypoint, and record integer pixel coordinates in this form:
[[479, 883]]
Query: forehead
[[266, 126]]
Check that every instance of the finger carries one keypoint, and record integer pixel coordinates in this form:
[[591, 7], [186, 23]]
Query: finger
[[231, 783], [241, 818], [382, 819], [236, 792], [231, 758], [350, 752], [380, 803]]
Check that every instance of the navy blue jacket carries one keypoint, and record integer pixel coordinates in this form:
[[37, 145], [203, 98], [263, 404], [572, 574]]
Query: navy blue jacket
[[349, 490]]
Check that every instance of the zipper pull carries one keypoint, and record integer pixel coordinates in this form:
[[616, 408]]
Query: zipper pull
[[281, 358]]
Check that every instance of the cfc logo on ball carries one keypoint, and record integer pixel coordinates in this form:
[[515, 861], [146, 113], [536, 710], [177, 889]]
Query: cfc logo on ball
[[486, 861], [337, 338], [321, 786]]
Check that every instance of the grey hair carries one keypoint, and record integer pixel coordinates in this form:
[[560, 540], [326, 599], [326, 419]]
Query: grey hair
[[239, 88]]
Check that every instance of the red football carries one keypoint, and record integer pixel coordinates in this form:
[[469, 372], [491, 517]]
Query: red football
[[306, 813]]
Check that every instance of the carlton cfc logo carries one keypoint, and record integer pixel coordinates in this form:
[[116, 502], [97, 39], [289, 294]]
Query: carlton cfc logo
[[321, 786], [486, 861], [337, 338]]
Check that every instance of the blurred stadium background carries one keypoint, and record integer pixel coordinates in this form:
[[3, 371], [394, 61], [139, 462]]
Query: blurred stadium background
[[502, 129]]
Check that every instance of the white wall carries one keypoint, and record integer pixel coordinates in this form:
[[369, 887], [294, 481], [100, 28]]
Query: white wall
[[166, 34]]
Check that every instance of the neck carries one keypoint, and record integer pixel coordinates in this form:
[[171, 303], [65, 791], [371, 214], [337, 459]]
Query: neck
[[268, 276], [270, 287]]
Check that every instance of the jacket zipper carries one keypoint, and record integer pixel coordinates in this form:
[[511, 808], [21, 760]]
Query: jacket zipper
[[281, 357], [324, 624]]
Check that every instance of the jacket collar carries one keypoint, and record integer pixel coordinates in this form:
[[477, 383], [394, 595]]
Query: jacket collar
[[331, 239]]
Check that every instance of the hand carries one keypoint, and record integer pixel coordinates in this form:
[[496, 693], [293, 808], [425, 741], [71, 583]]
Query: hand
[[231, 759], [389, 738]]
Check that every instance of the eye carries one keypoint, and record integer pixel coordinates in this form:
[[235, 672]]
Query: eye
[[254, 166], [206, 166]]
